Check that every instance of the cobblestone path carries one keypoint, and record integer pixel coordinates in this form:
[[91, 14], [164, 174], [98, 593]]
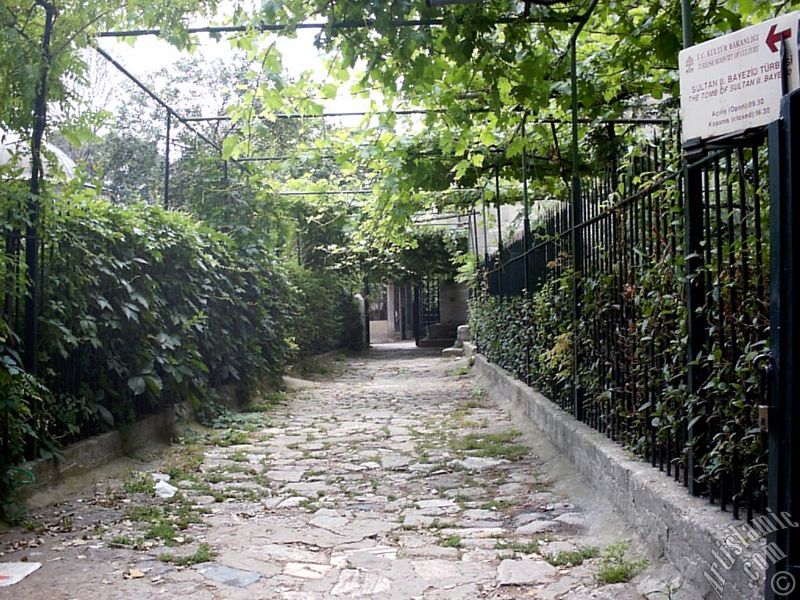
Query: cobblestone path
[[393, 478]]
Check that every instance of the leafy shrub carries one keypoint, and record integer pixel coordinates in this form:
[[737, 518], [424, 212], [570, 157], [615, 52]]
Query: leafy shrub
[[325, 315], [142, 308], [150, 307]]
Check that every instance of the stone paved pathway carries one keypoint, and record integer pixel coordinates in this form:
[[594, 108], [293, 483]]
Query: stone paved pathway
[[395, 478]]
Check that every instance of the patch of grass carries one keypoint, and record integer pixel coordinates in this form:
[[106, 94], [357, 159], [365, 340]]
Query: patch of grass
[[250, 496], [315, 366], [207, 490], [30, 525], [230, 437], [572, 557], [138, 482], [453, 541], [530, 547], [161, 530], [215, 477], [261, 479], [308, 504], [185, 515], [220, 471], [461, 371], [184, 462], [491, 445], [267, 402], [238, 456], [461, 499], [461, 413], [615, 568], [204, 553], [144, 512], [441, 524], [128, 542], [497, 505]]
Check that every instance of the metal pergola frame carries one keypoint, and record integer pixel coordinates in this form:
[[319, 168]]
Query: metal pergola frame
[[337, 26], [241, 163]]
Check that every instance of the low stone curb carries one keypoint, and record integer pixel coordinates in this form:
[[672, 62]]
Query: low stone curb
[[99, 450], [674, 526]]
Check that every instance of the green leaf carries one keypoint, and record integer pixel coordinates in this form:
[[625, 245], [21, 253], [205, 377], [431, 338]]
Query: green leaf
[[105, 414], [230, 146], [137, 385]]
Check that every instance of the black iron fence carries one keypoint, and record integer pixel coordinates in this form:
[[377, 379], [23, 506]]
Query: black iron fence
[[604, 328]]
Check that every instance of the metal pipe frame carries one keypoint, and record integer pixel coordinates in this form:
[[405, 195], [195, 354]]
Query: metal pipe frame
[[340, 25], [158, 100], [427, 111]]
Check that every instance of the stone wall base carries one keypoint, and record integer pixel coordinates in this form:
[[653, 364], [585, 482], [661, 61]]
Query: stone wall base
[[673, 525], [99, 450]]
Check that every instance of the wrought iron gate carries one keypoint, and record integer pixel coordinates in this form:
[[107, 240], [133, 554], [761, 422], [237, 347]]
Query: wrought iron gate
[[426, 307]]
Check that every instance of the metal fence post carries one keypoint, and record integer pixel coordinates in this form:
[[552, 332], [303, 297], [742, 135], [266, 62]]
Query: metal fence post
[[695, 284], [485, 235], [526, 244], [783, 418], [575, 237], [499, 253], [166, 159], [32, 292], [366, 312], [696, 326]]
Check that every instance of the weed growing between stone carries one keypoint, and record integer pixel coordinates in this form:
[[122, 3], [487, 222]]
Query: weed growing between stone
[[615, 567]]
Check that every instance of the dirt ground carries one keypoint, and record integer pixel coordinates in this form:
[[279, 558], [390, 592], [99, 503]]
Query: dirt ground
[[390, 476]]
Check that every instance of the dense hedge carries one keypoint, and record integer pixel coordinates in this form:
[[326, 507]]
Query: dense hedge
[[143, 308], [325, 315]]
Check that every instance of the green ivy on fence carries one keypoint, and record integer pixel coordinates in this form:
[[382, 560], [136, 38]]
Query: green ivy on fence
[[144, 308], [631, 332]]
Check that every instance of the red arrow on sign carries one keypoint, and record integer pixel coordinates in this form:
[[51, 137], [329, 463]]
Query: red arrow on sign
[[776, 37]]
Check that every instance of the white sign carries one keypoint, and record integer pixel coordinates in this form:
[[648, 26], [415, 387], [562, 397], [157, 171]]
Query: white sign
[[733, 83]]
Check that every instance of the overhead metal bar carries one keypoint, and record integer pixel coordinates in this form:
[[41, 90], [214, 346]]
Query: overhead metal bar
[[447, 225], [311, 154], [322, 193], [340, 25], [425, 111], [435, 218], [158, 100], [166, 159], [344, 192]]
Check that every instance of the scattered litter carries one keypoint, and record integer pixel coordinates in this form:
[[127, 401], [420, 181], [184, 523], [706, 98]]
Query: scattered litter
[[165, 490], [228, 575], [14, 572], [160, 476], [133, 574]]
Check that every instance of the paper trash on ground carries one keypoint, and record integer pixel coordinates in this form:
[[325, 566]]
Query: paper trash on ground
[[14, 572]]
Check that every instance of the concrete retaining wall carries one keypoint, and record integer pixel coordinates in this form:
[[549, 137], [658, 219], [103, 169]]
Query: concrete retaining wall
[[99, 450], [673, 525]]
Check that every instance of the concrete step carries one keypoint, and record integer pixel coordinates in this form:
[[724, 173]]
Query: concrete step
[[436, 343]]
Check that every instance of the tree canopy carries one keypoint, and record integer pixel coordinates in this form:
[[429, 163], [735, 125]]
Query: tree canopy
[[473, 71]]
